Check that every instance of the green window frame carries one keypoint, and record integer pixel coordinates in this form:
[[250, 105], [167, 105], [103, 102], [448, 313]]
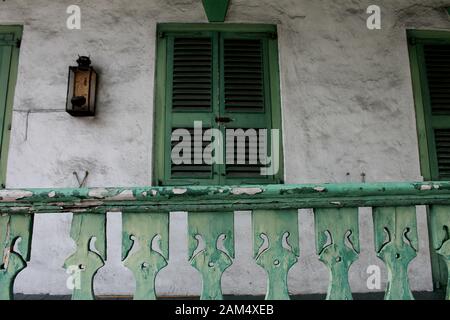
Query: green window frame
[[428, 122], [10, 37], [165, 119]]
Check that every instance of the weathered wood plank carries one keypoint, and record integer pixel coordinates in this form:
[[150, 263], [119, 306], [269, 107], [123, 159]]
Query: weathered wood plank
[[89, 233], [13, 228], [211, 249], [440, 237], [337, 244], [276, 248], [150, 234], [396, 243]]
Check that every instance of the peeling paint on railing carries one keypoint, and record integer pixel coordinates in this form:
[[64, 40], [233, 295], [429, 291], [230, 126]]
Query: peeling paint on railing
[[222, 198]]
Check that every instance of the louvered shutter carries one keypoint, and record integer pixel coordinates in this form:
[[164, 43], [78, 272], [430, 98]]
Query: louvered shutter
[[246, 101], [213, 76], [190, 98], [437, 72], [6, 49]]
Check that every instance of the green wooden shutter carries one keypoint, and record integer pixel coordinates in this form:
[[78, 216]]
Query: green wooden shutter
[[211, 76], [9, 41], [435, 70], [192, 86], [245, 98]]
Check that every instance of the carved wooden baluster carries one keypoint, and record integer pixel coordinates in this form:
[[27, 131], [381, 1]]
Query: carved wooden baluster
[[13, 227], [280, 229], [337, 244], [143, 230], [85, 262], [396, 244], [440, 237], [211, 261]]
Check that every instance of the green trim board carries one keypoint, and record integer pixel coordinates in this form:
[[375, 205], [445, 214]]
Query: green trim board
[[432, 123], [167, 118], [10, 37]]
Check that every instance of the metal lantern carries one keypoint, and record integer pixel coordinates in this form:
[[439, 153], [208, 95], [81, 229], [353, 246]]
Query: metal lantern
[[82, 89]]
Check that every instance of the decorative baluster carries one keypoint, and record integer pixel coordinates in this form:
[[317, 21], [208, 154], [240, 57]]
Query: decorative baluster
[[144, 230], [396, 244], [210, 229], [440, 237], [12, 228], [88, 231], [276, 248], [337, 244]]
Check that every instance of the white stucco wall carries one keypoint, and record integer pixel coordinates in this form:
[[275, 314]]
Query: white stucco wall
[[347, 108]]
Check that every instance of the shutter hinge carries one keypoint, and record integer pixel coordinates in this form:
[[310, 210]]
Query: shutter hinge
[[273, 35], [161, 34], [18, 43]]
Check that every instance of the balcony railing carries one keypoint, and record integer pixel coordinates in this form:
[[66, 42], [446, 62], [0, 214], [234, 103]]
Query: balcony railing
[[145, 218]]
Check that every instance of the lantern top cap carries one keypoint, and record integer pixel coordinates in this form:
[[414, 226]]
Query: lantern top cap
[[84, 62]]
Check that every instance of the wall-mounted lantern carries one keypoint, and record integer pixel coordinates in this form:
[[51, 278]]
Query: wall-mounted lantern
[[82, 89]]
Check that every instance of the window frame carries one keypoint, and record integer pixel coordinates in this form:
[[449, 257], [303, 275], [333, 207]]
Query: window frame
[[159, 167], [427, 147], [425, 132], [16, 31]]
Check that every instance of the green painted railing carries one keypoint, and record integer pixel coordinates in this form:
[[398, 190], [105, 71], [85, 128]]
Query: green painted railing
[[145, 218]]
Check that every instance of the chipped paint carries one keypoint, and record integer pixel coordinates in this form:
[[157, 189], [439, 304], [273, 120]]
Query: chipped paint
[[426, 187], [52, 194], [319, 189], [14, 195], [247, 191], [98, 193], [154, 193], [124, 195], [179, 191]]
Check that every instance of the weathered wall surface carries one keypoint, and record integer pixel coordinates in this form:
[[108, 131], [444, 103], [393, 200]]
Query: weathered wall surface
[[347, 108]]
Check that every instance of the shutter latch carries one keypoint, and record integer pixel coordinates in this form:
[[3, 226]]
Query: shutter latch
[[223, 120]]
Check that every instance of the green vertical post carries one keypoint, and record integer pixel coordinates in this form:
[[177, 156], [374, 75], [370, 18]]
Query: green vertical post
[[143, 230], [13, 228], [396, 243], [337, 244], [279, 228], [211, 261], [440, 240], [84, 264]]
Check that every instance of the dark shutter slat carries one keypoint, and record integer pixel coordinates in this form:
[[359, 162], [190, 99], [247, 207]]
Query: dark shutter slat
[[437, 64], [192, 72], [243, 78], [246, 170], [442, 141], [191, 170]]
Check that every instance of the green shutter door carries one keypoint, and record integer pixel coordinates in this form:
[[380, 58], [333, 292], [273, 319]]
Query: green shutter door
[[434, 64], [5, 65], [9, 36], [245, 99], [213, 76], [192, 79]]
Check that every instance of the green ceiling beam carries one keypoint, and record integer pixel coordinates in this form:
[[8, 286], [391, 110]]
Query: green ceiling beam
[[216, 10]]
